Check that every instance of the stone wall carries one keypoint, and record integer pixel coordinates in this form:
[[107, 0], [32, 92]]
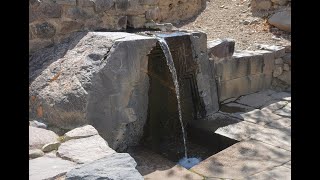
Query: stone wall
[[269, 4], [52, 20], [245, 72]]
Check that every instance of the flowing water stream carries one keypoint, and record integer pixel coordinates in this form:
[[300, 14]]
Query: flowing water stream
[[185, 161]]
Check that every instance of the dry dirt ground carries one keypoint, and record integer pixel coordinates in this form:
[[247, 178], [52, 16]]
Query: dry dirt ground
[[234, 19]]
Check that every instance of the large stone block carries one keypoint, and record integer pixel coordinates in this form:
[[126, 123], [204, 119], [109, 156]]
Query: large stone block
[[281, 20], [220, 48], [244, 85]]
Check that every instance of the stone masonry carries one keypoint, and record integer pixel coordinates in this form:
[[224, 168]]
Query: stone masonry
[[245, 72], [50, 21]]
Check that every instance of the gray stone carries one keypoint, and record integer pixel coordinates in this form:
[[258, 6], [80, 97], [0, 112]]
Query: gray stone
[[153, 14], [43, 30], [85, 149], [281, 20], [277, 71], [50, 10], [136, 21], [255, 100], [149, 2], [48, 168], [220, 48], [122, 22], [244, 85], [77, 13], [37, 44], [85, 3], [37, 124], [278, 51], [114, 166], [228, 100], [103, 5], [51, 146], [67, 2], [241, 160], [122, 5], [262, 4], [81, 132], [39, 137], [70, 26], [235, 107], [281, 96], [278, 61], [287, 58], [285, 77], [286, 67], [35, 153], [280, 172]]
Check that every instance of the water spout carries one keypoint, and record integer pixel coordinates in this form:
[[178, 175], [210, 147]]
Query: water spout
[[166, 50]]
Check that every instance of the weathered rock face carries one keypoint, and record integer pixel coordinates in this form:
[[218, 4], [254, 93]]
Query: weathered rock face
[[51, 21], [100, 78], [115, 166]]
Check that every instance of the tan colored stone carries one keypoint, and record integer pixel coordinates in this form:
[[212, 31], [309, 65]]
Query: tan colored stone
[[277, 71], [51, 146], [241, 160], [85, 149], [39, 137], [81, 132], [35, 153], [286, 67], [278, 61]]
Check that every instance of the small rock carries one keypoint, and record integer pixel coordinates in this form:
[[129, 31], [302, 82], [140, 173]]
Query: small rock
[[221, 6], [277, 71], [281, 20], [278, 61], [286, 67], [34, 153], [81, 132], [51, 146]]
